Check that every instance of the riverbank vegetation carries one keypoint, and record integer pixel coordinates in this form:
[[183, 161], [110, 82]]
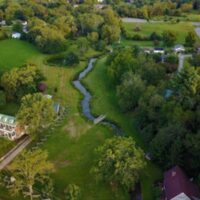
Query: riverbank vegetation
[[164, 110]]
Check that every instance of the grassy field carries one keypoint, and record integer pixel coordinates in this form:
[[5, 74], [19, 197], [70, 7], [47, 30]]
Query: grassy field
[[105, 102], [76, 139], [180, 29], [14, 53], [72, 145]]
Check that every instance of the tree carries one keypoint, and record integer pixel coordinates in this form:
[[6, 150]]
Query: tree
[[110, 33], [167, 146], [90, 22], [186, 7], [186, 85], [2, 98], [169, 38], [119, 162], [130, 91], [21, 81], [152, 72], [195, 60], [72, 192], [36, 112], [190, 39], [83, 45], [50, 40], [121, 62], [29, 169], [17, 27], [66, 24]]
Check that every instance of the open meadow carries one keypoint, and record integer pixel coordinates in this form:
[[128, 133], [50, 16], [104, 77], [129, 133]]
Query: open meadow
[[145, 29], [72, 143]]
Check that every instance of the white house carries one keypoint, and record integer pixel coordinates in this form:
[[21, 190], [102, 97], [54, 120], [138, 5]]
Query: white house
[[159, 51], [9, 127], [179, 48], [16, 35]]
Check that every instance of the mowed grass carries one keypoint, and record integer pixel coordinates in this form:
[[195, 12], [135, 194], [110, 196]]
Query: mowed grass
[[14, 53], [72, 145], [180, 29], [105, 102]]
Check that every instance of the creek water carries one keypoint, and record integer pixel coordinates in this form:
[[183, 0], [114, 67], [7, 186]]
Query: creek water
[[85, 103]]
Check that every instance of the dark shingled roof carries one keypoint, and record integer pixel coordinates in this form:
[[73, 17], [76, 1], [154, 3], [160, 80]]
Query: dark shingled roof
[[176, 182]]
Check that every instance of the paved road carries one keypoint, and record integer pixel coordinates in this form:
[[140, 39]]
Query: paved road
[[14, 152], [138, 20], [181, 60], [133, 20], [197, 30]]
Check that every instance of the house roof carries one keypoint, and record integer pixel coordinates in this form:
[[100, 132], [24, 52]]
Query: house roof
[[7, 119], [179, 46], [158, 49], [176, 182]]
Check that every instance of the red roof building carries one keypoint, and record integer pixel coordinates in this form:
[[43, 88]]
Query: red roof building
[[177, 186]]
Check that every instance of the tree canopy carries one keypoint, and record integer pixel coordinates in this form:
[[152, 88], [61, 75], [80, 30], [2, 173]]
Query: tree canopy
[[119, 162]]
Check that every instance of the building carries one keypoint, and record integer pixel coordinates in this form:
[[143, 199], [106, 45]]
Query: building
[[177, 186], [16, 35], [9, 127], [159, 51], [179, 48]]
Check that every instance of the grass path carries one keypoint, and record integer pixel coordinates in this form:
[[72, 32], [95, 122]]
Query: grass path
[[105, 102]]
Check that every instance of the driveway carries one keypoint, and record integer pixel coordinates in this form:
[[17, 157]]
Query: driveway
[[5, 160], [181, 60]]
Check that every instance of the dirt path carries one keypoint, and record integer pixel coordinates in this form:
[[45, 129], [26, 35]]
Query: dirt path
[[5, 160]]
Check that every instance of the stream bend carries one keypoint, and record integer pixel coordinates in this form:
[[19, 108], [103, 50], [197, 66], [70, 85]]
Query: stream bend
[[85, 103]]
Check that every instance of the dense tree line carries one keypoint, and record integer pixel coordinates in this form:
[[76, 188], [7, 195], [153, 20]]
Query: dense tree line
[[151, 8], [165, 105], [51, 24]]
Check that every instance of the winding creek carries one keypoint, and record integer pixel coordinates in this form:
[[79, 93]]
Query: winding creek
[[86, 110], [85, 103]]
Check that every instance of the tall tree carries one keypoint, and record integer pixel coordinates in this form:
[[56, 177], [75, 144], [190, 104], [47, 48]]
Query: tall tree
[[119, 162], [21, 81], [190, 39], [130, 91], [36, 112], [72, 192], [28, 169], [169, 38]]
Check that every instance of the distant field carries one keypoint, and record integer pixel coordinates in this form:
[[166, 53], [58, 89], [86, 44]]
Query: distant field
[[14, 53], [181, 29]]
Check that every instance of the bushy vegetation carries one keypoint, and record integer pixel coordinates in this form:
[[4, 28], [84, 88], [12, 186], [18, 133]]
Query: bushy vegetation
[[167, 121]]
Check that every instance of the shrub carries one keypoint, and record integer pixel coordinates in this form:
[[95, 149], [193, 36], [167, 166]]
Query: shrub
[[64, 60], [137, 29]]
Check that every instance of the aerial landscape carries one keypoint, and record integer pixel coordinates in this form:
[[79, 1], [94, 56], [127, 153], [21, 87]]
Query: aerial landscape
[[100, 99]]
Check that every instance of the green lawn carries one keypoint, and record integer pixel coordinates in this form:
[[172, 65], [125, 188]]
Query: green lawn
[[180, 29], [14, 53], [105, 102], [71, 147]]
